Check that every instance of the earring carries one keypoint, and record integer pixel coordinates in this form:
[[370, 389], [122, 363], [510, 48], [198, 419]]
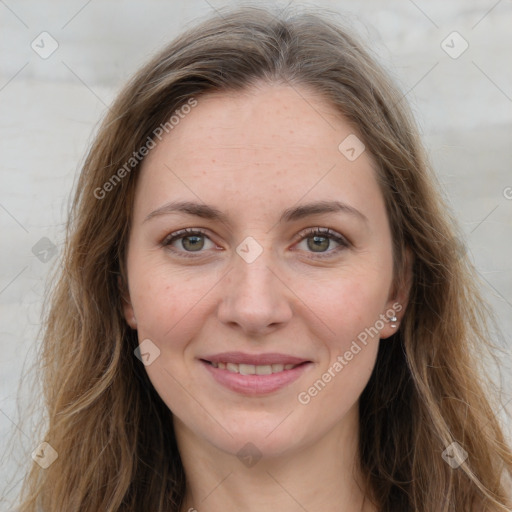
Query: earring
[[394, 320]]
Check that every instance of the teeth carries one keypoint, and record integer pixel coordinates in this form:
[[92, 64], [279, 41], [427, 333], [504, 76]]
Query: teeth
[[265, 369], [247, 369], [231, 367], [252, 369]]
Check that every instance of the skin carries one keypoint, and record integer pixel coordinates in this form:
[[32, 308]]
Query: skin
[[253, 154]]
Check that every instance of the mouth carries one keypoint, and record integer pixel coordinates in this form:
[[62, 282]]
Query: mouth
[[255, 374], [253, 369]]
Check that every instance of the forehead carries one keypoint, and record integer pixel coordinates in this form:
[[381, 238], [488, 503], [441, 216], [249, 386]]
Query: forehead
[[273, 116], [254, 144]]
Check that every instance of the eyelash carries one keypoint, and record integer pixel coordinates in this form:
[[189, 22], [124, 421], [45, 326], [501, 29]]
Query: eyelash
[[308, 233]]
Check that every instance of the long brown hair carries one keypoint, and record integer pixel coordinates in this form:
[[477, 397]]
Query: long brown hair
[[113, 433]]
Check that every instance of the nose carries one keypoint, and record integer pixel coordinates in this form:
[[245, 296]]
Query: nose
[[255, 298]]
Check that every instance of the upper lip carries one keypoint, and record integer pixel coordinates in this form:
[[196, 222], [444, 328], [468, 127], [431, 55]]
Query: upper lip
[[255, 359]]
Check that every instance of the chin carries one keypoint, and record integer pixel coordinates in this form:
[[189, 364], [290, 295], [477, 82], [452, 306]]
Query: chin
[[259, 439]]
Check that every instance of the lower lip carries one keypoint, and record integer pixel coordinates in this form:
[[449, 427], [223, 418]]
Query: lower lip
[[256, 384]]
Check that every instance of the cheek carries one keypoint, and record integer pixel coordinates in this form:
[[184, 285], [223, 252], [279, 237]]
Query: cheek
[[350, 310], [163, 299], [347, 305], [169, 312]]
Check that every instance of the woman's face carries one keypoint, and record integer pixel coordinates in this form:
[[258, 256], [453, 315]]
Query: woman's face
[[260, 331]]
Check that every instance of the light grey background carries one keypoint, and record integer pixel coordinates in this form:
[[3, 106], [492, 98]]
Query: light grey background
[[50, 109]]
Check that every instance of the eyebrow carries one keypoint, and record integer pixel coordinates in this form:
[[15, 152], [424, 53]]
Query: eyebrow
[[206, 211]]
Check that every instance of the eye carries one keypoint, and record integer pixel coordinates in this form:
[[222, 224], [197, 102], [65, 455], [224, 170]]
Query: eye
[[190, 240], [318, 241]]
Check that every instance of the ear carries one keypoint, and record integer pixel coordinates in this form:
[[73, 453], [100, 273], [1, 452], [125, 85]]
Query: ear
[[129, 314], [399, 298]]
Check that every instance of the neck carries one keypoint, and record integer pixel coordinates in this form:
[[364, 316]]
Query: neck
[[320, 476]]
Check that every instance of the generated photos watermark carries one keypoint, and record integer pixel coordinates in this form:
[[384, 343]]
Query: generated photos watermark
[[342, 360], [138, 156], [454, 455]]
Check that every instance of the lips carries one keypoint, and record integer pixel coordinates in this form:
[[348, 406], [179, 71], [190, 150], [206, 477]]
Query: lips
[[254, 374]]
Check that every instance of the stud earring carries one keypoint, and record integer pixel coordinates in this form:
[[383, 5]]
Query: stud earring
[[393, 321]]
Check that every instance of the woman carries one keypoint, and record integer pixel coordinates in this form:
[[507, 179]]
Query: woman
[[262, 303]]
